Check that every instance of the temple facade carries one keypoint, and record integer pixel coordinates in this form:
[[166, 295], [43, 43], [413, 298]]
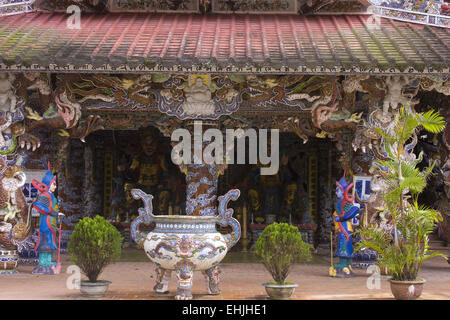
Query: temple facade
[[98, 87]]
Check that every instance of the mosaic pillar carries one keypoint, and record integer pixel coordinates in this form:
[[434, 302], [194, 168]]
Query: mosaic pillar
[[201, 179], [201, 193], [91, 191], [325, 195]]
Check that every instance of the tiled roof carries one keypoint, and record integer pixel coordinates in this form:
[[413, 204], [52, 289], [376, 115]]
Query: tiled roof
[[222, 40]]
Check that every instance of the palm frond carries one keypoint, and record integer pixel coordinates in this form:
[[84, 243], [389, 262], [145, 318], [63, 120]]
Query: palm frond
[[432, 121]]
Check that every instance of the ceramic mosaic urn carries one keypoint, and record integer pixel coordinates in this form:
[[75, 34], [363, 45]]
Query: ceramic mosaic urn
[[186, 243]]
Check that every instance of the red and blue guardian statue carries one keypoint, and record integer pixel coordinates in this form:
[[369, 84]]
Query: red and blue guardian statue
[[46, 205], [346, 210]]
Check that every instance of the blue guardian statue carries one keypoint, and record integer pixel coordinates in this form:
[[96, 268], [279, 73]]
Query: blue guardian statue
[[346, 210], [46, 205]]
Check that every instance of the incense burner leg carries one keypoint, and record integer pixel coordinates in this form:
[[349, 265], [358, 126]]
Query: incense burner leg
[[185, 274], [162, 280], [213, 280]]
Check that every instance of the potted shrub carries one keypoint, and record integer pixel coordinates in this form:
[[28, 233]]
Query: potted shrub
[[93, 245], [279, 246], [404, 249]]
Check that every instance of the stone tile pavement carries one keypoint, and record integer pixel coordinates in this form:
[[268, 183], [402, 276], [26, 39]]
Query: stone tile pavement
[[240, 281]]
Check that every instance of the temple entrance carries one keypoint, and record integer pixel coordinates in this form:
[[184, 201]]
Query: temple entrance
[[300, 193]]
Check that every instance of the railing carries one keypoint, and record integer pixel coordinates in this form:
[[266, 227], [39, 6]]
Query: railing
[[425, 18], [10, 7]]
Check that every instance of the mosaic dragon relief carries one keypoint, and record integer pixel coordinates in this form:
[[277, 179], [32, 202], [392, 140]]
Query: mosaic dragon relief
[[15, 224], [83, 103], [29, 105], [185, 247], [185, 97], [78, 97], [51, 109], [436, 7], [11, 116], [397, 91], [201, 181], [327, 113], [15, 218], [199, 96]]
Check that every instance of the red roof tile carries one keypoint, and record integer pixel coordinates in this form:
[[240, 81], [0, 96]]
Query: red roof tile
[[221, 40]]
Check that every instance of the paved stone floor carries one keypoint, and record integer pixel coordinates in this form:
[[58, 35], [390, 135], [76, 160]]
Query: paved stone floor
[[135, 280]]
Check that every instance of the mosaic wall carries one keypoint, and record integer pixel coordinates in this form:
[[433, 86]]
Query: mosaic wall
[[259, 6], [204, 6], [10, 7], [70, 181], [159, 6]]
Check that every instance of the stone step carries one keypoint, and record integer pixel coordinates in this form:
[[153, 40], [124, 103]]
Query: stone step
[[438, 246], [441, 249], [434, 237], [437, 243]]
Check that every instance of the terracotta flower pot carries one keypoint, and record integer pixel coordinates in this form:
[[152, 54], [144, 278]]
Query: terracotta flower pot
[[94, 289], [407, 290], [280, 291]]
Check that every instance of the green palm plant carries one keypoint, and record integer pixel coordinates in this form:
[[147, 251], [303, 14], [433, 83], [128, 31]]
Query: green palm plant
[[405, 249]]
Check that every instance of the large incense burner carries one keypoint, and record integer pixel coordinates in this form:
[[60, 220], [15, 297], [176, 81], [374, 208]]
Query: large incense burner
[[186, 243]]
